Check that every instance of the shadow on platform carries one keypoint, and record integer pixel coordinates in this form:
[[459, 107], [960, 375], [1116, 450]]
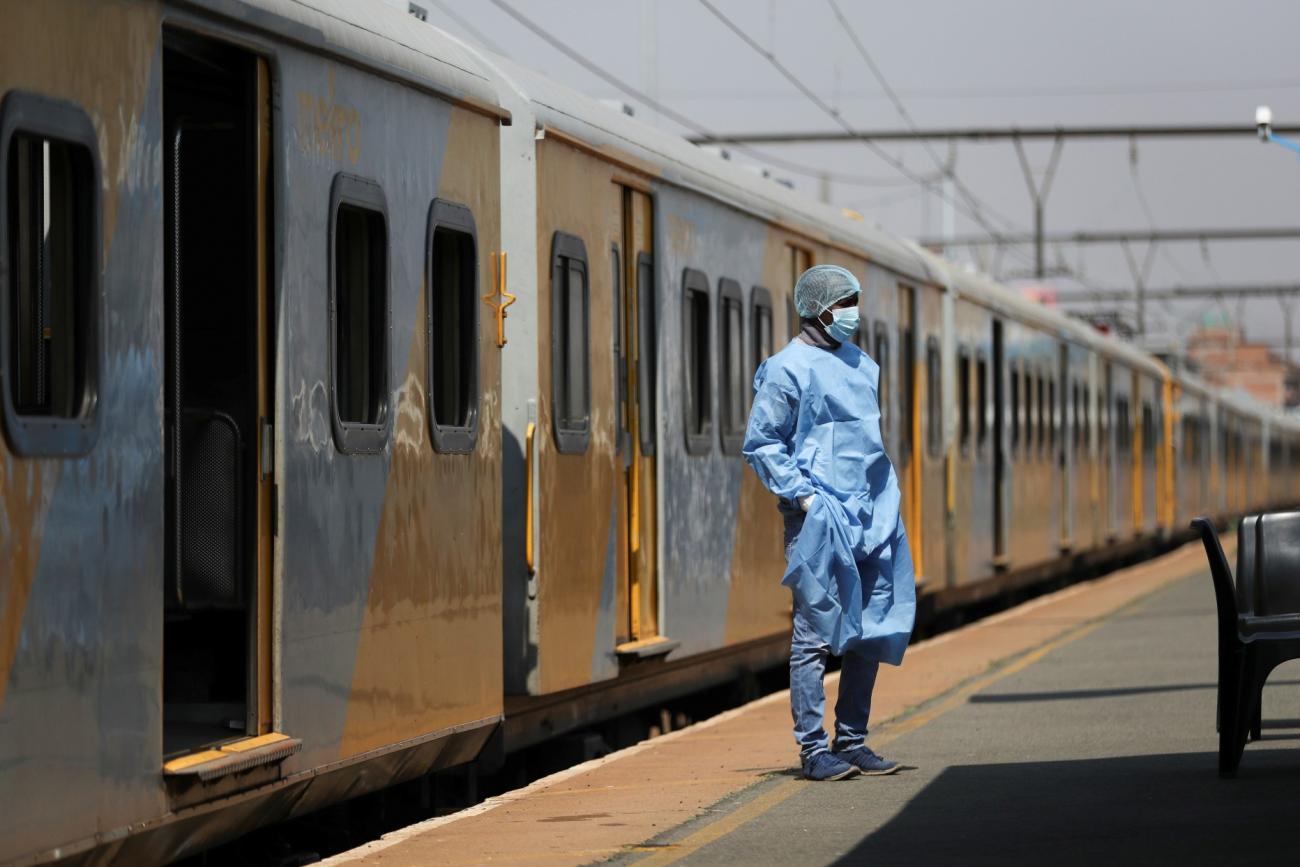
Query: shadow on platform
[[1155, 809], [1074, 694]]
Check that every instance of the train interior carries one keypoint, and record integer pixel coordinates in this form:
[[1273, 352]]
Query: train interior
[[211, 402]]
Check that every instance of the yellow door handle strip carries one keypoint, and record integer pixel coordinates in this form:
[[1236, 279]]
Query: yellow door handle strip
[[530, 431], [499, 298]]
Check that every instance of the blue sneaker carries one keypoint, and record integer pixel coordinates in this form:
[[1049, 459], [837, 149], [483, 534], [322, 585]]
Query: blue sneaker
[[824, 767], [864, 760]]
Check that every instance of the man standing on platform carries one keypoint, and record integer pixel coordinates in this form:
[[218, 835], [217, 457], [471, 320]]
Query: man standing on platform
[[814, 440]]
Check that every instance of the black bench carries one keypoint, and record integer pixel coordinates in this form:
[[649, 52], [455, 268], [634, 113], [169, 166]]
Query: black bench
[[1259, 620]]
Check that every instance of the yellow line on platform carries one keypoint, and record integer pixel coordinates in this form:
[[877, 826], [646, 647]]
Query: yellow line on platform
[[783, 791]]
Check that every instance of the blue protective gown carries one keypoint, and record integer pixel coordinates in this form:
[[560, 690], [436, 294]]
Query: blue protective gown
[[815, 429]]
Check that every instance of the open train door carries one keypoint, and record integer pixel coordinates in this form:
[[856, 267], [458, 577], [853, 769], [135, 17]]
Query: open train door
[[219, 445], [639, 599]]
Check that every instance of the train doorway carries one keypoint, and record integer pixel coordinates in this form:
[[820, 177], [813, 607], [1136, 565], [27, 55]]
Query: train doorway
[[218, 449], [1000, 559], [637, 372]]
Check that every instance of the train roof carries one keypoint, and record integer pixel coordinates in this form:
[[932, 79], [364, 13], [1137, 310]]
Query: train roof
[[676, 161], [377, 37]]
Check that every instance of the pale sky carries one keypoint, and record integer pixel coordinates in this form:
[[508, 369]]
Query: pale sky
[[987, 63]]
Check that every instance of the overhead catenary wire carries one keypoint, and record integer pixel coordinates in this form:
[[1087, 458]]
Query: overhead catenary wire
[[973, 212], [676, 116], [944, 166]]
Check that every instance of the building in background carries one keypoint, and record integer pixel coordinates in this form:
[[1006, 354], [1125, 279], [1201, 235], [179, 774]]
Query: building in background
[[1224, 357]]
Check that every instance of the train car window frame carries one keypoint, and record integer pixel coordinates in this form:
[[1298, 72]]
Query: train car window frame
[[1044, 413], [731, 366], [1123, 426], [862, 337], [369, 436], [1075, 436], [1013, 415], [934, 398], [964, 426], [456, 220], [764, 342], [882, 363], [1087, 418], [982, 402], [1027, 393], [1053, 414], [570, 382], [697, 362], [1148, 429], [74, 429]]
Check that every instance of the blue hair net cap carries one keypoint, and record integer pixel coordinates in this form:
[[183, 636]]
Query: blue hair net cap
[[821, 286]]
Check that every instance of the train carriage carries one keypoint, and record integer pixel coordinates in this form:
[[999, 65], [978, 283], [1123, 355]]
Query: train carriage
[[365, 396]]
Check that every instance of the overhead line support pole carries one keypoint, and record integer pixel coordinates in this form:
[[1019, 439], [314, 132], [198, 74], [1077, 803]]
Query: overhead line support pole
[[1039, 195]]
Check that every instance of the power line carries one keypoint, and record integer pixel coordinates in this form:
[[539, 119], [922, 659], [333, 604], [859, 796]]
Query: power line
[[987, 134], [473, 31], [1020, 92], [942, 165], [833, 112], [1179, 293], [1266, 233], [701, 133]]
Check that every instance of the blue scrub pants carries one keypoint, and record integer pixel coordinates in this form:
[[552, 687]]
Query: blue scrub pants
[[808, 654]]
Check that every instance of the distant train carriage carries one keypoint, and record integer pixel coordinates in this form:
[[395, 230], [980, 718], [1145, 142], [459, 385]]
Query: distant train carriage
[[365, 396]]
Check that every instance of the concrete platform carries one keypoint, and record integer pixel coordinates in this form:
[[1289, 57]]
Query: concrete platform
[[1077, 728]]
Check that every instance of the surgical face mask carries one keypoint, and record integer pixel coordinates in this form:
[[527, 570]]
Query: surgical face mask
[[845, 324]]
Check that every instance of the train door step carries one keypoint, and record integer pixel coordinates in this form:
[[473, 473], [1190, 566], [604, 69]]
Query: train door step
[[646, 648], [232, 758]]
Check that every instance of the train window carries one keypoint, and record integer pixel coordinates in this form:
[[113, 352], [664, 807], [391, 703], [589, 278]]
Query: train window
[[882, 361], [981, 401], [934, 391], [1043, 409], [1014, 413], [1075, 439], [1085, 417], [963, 399], [1148, 429], [697, 362], [359, 308], [452, 334], [1123, 427], [570, 342], [1190, 446], [731, 345], [761, 317], [1053, 413], [49, 238], [1030, 418], [862, 337]]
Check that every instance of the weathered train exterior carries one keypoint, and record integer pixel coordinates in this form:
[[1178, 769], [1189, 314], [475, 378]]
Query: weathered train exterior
[[365, 395]]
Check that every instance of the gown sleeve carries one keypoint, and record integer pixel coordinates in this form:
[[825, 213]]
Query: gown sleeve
[[769, 446]]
